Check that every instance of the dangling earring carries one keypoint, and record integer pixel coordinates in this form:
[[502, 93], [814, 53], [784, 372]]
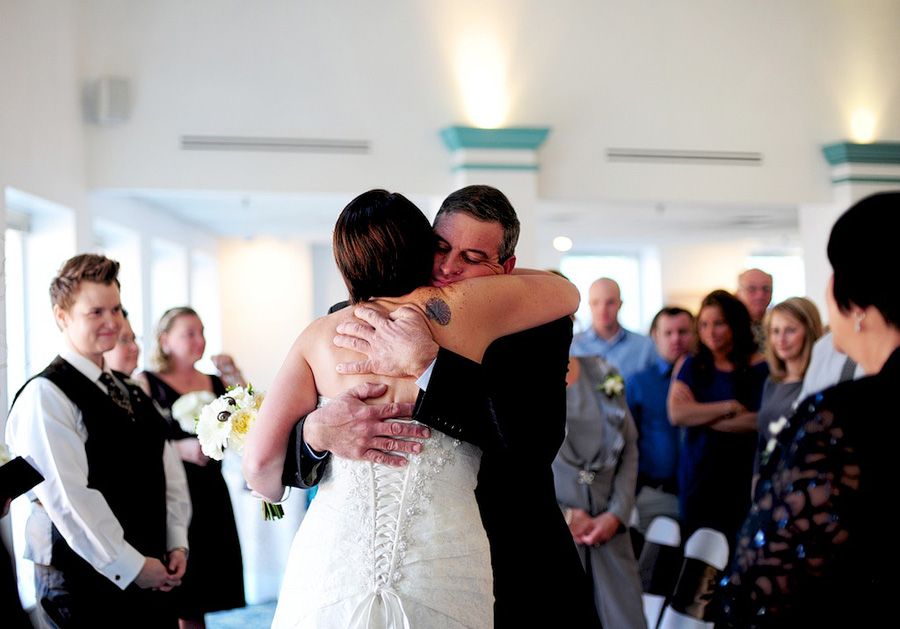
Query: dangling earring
[[857, 325]]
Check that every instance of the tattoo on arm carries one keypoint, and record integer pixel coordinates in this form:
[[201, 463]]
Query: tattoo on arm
[[437, 310]]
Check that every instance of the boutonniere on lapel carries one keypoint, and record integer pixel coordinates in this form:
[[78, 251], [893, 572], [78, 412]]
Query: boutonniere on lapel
[[613, 386], [775, 429]]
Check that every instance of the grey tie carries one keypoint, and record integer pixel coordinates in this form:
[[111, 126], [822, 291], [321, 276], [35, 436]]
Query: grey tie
[[118, 396]]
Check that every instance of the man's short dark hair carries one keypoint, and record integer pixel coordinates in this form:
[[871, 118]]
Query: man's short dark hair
[[488, 204], [87, 267], [669, 311]]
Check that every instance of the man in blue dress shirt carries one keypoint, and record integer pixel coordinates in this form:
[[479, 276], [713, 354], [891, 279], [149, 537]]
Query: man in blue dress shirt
[[628, 351], [658, 440]]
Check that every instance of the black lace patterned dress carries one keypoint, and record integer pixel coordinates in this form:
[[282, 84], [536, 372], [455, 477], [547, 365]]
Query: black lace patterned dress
[[819, 547], [215, 575]]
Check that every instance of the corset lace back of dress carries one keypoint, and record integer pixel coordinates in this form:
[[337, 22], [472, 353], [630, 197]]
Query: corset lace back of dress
[[393, 546]]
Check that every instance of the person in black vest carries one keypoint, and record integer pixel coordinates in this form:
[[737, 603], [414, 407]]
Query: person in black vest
[[108, 529]]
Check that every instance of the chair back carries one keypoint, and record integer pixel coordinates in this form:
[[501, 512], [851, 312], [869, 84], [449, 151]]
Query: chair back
[[659, 566], [705, 558]]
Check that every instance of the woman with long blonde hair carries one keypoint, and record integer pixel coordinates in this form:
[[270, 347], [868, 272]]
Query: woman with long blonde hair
[[792, 327]]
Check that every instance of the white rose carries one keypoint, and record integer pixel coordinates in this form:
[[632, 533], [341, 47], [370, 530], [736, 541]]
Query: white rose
[[187, 408]]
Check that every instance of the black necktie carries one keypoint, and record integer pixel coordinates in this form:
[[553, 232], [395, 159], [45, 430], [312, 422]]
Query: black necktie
[[115, 392]]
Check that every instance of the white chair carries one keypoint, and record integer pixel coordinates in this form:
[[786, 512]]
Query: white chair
[[705, 557], [658, 579]]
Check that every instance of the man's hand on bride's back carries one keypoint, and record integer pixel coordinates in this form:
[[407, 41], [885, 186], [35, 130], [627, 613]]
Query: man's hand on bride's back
[[351, 429], [398, 344]]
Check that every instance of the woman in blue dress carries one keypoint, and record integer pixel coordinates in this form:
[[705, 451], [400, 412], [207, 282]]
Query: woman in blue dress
[[715, 396]]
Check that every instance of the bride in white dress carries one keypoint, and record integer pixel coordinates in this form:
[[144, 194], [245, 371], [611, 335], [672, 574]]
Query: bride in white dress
[[381, 546]]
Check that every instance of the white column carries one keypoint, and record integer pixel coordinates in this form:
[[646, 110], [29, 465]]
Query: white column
[[507, 160], [857, 171]]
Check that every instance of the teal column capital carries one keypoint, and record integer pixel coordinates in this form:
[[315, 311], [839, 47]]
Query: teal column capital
[[524, 138], [856, 153], [510, 148], [875, 163]]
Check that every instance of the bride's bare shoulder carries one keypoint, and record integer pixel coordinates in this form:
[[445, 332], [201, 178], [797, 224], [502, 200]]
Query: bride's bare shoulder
[[321, 328]]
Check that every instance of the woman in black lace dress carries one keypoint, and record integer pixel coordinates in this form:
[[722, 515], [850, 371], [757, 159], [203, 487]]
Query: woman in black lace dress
[[818, 547]]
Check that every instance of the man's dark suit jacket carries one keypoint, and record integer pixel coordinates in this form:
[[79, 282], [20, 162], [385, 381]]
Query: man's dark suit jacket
[[520, 388]]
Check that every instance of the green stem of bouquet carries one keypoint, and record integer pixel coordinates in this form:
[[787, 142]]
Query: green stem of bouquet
[[271, 511]]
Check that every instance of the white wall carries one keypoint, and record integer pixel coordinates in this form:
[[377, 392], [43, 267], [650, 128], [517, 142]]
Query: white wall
[[266, 288], [41, 135], [41, 141], [690, 272], [769, 76]]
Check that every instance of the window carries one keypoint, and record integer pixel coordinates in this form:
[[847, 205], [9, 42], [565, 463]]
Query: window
[[626, 270], [39, 237], [124, 246], [169, 277], [205, 300], [787, 271]]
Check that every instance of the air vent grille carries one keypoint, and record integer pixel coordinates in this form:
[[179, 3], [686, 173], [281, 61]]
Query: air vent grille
[[684, 157], [278, 145]]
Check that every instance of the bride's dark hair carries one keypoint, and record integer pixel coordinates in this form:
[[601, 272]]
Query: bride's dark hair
[[383, 246]]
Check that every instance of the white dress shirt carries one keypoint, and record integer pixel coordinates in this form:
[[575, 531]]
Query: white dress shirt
[[826, 365], [45, 425]]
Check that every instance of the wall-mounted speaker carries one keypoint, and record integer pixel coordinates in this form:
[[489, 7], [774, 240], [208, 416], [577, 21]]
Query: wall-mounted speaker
[[107, 100]]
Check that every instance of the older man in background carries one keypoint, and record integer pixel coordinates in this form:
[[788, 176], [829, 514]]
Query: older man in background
[[755, 291]]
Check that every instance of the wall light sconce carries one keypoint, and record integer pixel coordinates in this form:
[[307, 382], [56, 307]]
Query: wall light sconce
[[863, 126], [481, 72]]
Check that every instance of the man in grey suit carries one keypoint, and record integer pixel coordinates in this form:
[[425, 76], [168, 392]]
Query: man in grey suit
[[595, 474]]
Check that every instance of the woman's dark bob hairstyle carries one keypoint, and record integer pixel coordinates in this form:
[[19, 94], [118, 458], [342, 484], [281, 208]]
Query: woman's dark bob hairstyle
[[383, 246], [863, 253]]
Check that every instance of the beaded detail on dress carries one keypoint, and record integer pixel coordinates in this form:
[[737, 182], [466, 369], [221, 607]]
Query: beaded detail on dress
[[794, 531]]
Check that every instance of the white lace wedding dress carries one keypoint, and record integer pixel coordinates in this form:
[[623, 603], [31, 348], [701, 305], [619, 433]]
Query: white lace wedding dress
[[391, 547]]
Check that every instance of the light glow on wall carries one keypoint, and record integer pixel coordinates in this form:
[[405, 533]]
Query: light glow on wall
[[481, 72], [863, 126]]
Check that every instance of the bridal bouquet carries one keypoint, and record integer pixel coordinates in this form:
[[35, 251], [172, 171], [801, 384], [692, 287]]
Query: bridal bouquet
[[225, 421], [187, 408]]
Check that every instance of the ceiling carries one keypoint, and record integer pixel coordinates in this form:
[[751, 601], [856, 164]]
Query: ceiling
[[590, 225]]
